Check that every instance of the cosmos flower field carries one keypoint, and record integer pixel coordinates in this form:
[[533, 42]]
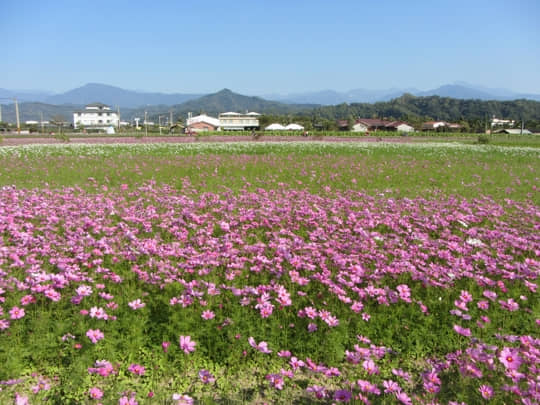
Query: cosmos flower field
[[260, 273]]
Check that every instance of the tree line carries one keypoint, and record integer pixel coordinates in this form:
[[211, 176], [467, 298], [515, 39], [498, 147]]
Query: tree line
[[472, 115]]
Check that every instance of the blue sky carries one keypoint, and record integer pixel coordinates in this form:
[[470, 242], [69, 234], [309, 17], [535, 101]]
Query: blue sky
[[263, 46]]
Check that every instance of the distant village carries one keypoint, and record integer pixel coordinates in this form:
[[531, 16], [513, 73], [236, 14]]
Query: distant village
[[99, 117]]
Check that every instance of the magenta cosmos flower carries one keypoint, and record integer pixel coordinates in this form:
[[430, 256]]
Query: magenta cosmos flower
[[486, 391], [510, 358], [136, 369], [462, 331], [187, 345], [342, 396]]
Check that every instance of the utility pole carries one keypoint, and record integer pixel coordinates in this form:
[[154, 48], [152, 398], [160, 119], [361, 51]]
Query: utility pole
[[0, 112], [145, 124], [170, 119], [159, 119], [118, 108], [41, 122], [17, 114]]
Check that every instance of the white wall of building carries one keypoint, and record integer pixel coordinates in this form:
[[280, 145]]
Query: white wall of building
[[95, 117]]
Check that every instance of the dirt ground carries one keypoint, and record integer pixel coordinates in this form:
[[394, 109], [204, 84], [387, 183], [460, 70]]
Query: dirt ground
[[29, 140]]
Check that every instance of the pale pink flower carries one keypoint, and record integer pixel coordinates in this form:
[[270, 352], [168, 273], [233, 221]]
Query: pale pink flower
[[208, 315], [187, 345], [95, 335], [370, 366], [182, 399], [136, 304], [262, 346], [95, 393]]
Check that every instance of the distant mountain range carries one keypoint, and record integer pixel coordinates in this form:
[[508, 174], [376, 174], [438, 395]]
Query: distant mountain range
[[118, 97], [212, 104], [458, 90], [407, 107], [92, 92]]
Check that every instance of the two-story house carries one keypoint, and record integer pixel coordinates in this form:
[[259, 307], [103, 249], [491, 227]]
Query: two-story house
[[97, 116]]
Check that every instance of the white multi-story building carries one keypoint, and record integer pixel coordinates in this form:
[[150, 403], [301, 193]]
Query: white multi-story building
[[96, 115], [233, 121], [500, 122]]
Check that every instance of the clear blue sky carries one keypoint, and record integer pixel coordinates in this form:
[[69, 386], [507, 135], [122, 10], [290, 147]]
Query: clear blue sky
[[269, 46]]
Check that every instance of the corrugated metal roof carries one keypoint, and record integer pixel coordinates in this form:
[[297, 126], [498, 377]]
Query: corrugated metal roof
[[203, 118]]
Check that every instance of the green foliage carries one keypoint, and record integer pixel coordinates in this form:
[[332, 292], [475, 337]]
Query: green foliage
[[483, 139]]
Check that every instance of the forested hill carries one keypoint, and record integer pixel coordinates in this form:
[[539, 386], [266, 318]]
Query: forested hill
[[409, 107], [412, 109]]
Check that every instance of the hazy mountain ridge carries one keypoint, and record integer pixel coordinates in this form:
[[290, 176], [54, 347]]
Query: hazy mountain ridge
[[118, 97], [458, 90]]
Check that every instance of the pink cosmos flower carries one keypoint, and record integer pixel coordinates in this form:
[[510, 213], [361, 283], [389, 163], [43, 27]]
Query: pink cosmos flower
[[42, 385], [208, 315], [206, 377], [136, 304], [95, 335], [98, 313], [370, 366], [509, 305], [27, 299], [403, 398], [486, 391], [391, 386], [317, 390], [342, 395], [52, 294], [310, 312], [21, 399], [165, 346], [404, 292], [125, 400], [295, 363], [262, 346], [136, 369], [16, 313], [483, 305], [510, 358], [84, 290], [95, 393], [284, 353], [182, 399], [187, 345], [276, 381], [102, 367], [462, 331]]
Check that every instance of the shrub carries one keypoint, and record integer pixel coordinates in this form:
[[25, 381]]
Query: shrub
[[483, 139]]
